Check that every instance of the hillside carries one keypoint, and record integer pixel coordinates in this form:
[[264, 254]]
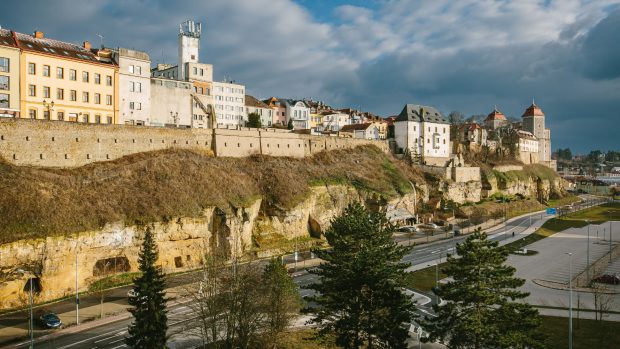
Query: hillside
[[156, 186]]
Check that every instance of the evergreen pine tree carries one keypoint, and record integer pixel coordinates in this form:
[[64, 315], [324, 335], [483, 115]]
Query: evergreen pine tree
[[289, 125], [481, 311], [148, 330], [359, 296]]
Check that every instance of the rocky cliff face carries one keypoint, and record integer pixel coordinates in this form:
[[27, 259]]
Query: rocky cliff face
[[183, 242]]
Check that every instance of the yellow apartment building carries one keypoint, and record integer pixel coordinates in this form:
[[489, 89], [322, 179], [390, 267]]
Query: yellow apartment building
[[9, 75], [65, 82]]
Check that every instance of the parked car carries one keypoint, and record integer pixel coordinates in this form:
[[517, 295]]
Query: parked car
[[407, 229], [50, 320], [131, 293], [608, 279], [457, 232], [429, 226]]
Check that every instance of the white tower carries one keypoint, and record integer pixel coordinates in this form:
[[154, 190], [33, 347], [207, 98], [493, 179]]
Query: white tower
[[189, 45]]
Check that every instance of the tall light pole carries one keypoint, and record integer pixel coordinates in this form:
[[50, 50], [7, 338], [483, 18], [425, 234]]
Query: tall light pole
[[31, 322], [609, 217], [77, 294], [570, 300], [588, 252]]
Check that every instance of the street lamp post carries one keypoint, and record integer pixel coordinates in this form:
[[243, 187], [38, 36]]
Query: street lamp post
[[609, 217], [77, 294], [588, 252], [570, 300], [31, 322]]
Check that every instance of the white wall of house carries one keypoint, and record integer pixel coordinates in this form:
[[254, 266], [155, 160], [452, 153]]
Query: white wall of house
[[134, 86], [334, 122], [423, 138], [299, 113], [266, 114], [171, 103], [229, 102]]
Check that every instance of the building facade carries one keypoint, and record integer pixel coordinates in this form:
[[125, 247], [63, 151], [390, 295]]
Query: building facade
[[134, 86], [9, 75], [298, 113], [171, 103], [65, 82], [534, 122], [495, 120], [423, 132], [279, 111], [253, 105], [229, 101]]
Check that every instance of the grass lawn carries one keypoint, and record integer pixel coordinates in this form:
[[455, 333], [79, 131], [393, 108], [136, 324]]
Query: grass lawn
[[300, 339], [586, 333], [596, 214], [567, 200], [424, 279]]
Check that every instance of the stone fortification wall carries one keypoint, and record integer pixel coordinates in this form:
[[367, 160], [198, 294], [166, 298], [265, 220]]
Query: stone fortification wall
[[65, 144], [465, 174]]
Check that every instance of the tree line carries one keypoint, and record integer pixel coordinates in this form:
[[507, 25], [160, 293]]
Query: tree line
[[359, 297]]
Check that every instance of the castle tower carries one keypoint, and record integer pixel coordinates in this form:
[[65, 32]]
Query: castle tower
[[189, 45], [534, 122]]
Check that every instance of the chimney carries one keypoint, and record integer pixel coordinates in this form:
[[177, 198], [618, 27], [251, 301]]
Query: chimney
[[38, 34], [86, 45]]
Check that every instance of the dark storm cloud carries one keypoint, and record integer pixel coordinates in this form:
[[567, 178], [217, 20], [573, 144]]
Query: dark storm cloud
[[468, 55]]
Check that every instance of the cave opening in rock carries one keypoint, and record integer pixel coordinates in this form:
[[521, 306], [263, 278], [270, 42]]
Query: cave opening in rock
[[314, 228], [111, 265], [36, 285]]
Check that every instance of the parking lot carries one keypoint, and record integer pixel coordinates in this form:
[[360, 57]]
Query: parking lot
[[552, 264]]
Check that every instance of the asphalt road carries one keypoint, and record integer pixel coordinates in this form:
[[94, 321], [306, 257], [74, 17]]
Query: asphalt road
[[111, 335]]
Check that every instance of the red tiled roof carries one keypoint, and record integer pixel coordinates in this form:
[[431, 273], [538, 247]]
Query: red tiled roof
[[57, 48], [251, 101], [496, 115], [533, 110]]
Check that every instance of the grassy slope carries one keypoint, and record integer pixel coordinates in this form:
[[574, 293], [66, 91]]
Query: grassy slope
[[37, 202], [586, 333]]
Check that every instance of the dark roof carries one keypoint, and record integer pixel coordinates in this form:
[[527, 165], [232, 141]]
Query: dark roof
[[250, 101], [292, 102], [355, 127], [421, 113], [57, 48], [6, 38]]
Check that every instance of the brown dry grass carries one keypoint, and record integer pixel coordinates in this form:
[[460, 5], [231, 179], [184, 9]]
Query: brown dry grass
[[147, 187]]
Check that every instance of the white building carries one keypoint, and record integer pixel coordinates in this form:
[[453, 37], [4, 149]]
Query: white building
[[229, 102], [134, 86], [298, 112], [333, 121], [424, 132], [253, 105], [171, 103]]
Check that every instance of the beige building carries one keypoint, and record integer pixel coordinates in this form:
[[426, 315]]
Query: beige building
[[171, 103], [65, 82], [253, 105], [134, 69], [9, 75]]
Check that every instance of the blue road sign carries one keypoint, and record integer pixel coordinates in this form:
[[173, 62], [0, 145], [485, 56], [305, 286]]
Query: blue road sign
[[551, 211]]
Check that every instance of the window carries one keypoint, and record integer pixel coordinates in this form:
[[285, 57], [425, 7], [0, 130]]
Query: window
[[46, 114], [108, 80], [195, 71], [4, 82], [108, 100], [97, 119], [109, 119], [132, 105], [97, 78], [32, 113], [72, 74], [32, 90], [46, 70], [4, 64], [135, 87], [60, 73], [46, 92], [73, 95], [32, 68], [60, 94], [60, 116], [85, 97], [4, 100], [97, 98], [85, 76], [85, 118], [138, 70], [202, 72], [131, 69]]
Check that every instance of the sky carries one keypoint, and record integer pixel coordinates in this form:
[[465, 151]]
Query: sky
[[378, 55]]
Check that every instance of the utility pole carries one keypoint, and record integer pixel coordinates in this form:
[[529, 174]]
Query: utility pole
[[77, 293], [588, 252], [570, 300]]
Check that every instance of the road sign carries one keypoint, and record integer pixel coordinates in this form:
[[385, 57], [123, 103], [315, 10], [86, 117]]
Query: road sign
[[551, 211]]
